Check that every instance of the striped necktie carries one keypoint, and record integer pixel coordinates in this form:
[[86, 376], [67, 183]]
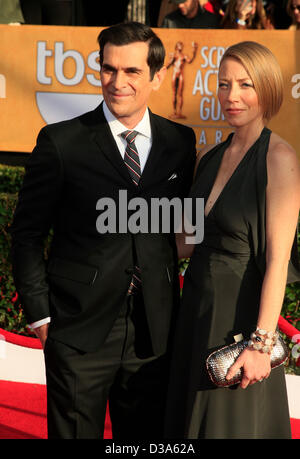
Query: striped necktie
[[132, 162], [131, 157]]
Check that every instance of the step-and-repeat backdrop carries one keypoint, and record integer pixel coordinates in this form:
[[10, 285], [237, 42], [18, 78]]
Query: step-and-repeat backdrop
[[48, 74]]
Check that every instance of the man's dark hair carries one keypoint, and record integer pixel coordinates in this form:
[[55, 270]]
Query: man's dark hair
[[126, 33]]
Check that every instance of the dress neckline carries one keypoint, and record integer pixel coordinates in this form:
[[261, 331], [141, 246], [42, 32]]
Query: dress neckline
[[225, 146]]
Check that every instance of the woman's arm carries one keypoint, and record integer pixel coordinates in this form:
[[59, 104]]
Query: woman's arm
[[282, 213]]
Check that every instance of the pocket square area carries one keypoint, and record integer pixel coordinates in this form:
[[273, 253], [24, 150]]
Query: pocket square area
[[173, 176]]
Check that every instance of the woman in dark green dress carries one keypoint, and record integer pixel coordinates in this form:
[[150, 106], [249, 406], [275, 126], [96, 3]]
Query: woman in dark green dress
[[236, 278]]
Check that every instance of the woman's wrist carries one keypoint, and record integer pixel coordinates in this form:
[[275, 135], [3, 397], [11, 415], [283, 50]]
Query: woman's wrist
[[240, 22], [263, 340]]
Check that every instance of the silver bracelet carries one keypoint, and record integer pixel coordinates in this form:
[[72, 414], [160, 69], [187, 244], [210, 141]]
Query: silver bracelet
[[263, 340]]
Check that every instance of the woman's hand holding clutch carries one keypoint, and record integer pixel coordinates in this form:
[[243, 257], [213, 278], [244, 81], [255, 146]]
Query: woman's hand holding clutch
[[255, 365]]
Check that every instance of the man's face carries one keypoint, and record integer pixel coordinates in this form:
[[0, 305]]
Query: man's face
[[125, 79]]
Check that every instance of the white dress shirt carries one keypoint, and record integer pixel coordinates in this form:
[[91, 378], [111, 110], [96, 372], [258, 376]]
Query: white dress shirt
[[143, 142]]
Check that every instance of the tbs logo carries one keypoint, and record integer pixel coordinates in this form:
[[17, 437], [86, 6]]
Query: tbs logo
[[59, 106]]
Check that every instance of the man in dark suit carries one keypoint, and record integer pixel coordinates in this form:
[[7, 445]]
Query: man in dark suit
[[103, 304], [190, 15]]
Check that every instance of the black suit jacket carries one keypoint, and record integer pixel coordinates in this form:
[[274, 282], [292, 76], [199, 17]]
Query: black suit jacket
[[84, 282]]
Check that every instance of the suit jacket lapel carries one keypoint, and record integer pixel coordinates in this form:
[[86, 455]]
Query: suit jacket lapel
[[155, 154], [104, 139]]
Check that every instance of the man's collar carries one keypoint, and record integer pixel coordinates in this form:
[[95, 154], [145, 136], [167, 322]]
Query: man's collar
[[143, 127]]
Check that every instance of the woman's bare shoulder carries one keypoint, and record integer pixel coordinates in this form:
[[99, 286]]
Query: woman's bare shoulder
[[280, 149], [282, 158]]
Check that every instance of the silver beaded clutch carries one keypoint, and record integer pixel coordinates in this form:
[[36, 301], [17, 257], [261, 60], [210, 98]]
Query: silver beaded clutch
[[219, 361]]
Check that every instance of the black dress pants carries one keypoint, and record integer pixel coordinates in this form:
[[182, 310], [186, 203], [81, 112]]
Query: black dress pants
[[80, 384]]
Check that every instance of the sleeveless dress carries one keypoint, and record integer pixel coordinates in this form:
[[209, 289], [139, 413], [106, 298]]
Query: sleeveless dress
[[221, 295]]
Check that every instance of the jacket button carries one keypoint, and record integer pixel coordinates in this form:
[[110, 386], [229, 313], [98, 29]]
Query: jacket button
[[129, 270]]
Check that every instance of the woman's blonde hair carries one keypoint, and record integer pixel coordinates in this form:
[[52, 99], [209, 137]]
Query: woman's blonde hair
[[264, 71]]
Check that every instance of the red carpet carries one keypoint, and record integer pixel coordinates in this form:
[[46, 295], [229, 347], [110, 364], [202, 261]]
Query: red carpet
[[23, 412], [23, 405]]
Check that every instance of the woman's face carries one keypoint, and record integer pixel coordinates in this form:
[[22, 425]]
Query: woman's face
[[295, 7], [237, 96], [248, 6]]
